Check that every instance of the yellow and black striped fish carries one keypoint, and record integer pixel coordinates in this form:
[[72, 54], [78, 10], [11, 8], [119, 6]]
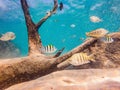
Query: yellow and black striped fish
[[77, 59], [49, 49], [80, 59], [107, 39], [98, 33]]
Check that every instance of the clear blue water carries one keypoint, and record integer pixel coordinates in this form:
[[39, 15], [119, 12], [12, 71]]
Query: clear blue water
[[57, 30]]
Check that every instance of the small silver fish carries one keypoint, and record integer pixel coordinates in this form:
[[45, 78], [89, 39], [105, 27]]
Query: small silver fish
[[49, 49], [107, 39], [80, 59], [95, 19], [98, 33], [7, 36]]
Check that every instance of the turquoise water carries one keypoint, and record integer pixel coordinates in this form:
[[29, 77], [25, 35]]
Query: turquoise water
[[57, 29]]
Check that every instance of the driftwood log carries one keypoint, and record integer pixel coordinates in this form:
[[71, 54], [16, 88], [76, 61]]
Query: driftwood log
[[26, 68], [17, 70], [36, 64]]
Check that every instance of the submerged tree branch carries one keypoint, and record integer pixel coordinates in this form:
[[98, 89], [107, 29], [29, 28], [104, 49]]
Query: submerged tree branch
[[48, 14], [22, 69], [17, 70]]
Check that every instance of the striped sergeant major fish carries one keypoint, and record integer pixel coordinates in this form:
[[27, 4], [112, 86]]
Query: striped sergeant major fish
[[107, 39], [98, 33], [49, 49], [80, 59], [77, 59]]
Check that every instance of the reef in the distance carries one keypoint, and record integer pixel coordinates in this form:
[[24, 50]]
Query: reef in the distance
[[8, 50]]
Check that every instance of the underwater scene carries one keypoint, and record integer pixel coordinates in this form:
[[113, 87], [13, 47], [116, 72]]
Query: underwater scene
[[59, 44], [66, 28]]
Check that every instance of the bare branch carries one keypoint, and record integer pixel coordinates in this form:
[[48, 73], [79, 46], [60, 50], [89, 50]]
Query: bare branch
[[26, 12], [48, 14]]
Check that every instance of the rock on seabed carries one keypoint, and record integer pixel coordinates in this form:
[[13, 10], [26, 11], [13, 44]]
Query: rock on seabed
[[85, 79]]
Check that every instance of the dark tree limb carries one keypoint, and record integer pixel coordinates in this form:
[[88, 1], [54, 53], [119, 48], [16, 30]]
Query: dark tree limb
[[48, 14], [26, 11], [59, 53]]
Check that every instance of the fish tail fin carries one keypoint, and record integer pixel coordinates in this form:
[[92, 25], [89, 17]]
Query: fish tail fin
[[92, 57], [42, 49], [87, 34]]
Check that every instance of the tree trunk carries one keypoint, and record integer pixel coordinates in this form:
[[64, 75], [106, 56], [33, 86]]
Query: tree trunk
[[34, 39]]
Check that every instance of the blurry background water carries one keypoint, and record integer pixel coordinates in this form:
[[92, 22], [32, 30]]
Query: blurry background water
[[66, 27]]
